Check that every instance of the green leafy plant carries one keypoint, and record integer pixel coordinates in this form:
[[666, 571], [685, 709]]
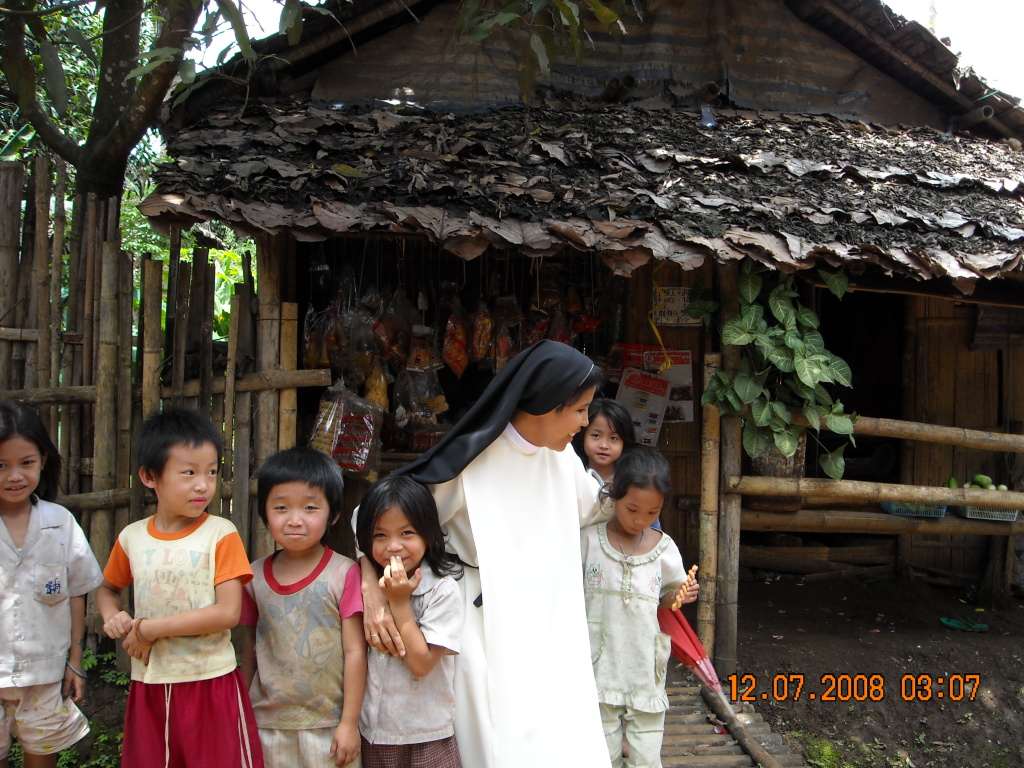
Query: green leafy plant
[[780, 387]]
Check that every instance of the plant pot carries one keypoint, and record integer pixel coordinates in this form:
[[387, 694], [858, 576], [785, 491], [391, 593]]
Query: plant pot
[[771, 463]]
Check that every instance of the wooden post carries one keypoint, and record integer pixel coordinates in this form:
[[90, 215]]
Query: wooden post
[[729, 519], [12, 176], [289, 358], [711, 443], [126, 404]]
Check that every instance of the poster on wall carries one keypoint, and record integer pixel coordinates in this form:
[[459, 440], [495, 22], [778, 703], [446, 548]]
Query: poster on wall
[[680, 376], [645, 396], [670, 306]]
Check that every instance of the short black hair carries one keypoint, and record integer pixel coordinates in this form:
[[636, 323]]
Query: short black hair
[[163, 430], [593, 380], [417, 503], [302, 465], [618, 419], [643, 467], [18, 420]]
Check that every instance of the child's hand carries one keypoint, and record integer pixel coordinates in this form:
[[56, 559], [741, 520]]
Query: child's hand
[[135, 647], [687, 590], [395, 583], [74, 686], [118, 625], [345, 745]]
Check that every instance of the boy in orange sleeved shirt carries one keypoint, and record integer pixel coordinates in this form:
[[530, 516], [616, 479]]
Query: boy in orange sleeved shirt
[[187, 704]]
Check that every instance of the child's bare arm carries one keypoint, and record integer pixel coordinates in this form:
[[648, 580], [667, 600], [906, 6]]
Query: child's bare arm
[[345, 745], [116, 623], [379, 628], [74, 681], [420, 657], [223, 614], [249, 655]]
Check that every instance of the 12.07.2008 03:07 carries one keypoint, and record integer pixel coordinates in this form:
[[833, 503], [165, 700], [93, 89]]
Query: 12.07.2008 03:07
[[857, 687]]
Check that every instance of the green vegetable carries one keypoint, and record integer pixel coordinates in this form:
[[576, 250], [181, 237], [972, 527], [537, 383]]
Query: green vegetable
[[982, 480], [990, 487], [952, 483], [1002, 488]]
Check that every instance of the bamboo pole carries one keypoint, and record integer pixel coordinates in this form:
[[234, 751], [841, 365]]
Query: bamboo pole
[[125, 380], [56, 271], [152, 341], [268, 341], [38, 373], [262, 381], [201, 323], [180, 333], [94, 501], [234, 319], [912, 430], [104, 474], [11, 180], [170, 316], [51, 395], [241, 506], [863, 491], [19, 334], [289, 357], [711, 443], [873, 521], [729, 516]]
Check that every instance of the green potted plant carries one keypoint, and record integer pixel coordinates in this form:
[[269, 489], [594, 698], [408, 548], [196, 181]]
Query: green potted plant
[[784, 367]]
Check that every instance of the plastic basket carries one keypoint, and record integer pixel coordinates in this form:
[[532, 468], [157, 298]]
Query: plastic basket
[[988, 513], [913, 510]]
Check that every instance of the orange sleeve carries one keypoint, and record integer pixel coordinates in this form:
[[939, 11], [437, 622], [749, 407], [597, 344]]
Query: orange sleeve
[[119, 569], [232, 562]]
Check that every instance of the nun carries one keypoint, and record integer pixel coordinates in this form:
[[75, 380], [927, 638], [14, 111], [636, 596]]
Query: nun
[[512, 500]]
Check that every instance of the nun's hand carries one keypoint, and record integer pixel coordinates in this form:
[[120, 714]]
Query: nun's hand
[[379, 627]]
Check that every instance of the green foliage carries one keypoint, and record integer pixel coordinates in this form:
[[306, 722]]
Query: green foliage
[[785, 368]]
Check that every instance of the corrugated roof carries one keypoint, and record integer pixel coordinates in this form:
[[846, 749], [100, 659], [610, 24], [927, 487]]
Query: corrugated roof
[[629, 184]]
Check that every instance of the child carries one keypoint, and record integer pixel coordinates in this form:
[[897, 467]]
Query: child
[[609, 433], [629, 570], [187, 704], [46, 570], [408, 716], [304, 657]]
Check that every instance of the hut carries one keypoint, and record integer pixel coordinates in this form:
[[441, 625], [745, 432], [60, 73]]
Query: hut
[[402, 193]]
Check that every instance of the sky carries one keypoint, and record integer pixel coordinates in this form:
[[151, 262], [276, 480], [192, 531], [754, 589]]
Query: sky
[[986, 33]]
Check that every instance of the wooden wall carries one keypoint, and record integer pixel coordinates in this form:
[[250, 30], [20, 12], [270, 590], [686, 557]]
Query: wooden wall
[[948, 383]]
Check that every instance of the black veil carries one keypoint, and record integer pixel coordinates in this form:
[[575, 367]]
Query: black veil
[[537, 380]]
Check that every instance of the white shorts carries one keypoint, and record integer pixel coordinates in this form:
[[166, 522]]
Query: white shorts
[[42, 719], [308, 747]]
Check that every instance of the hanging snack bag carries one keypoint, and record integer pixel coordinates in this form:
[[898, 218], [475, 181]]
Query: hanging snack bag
[[315, 328], [361, 347], [348, 428], [560, 330], [483, 332], [377, 387], [455, 352]]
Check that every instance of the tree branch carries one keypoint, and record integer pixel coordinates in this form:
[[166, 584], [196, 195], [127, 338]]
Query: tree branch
[[4, 11]]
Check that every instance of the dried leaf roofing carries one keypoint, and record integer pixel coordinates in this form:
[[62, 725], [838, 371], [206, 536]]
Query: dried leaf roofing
[[629, 184]]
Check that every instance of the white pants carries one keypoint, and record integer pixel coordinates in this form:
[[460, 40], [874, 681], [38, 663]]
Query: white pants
[[643, 730]]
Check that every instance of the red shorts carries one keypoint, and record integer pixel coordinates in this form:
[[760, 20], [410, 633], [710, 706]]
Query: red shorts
[[202, 724]]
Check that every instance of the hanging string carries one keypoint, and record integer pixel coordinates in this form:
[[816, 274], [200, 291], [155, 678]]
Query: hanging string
[[666, 362]]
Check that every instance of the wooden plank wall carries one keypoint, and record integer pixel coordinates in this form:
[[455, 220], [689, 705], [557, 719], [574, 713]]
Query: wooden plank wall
[[679, 442], [951, 385]]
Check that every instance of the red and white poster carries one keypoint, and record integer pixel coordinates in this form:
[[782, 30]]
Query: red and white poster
[[680, 376], [645, 397]]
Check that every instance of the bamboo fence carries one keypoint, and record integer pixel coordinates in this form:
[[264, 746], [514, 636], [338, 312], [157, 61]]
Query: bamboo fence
[[77, 345]]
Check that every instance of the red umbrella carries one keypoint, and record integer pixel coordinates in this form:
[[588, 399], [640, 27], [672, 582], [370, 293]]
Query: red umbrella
[[687, 648]]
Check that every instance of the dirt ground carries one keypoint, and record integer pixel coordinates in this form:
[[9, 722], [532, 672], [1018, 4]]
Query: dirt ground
[[877, 640], [889, 633]]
